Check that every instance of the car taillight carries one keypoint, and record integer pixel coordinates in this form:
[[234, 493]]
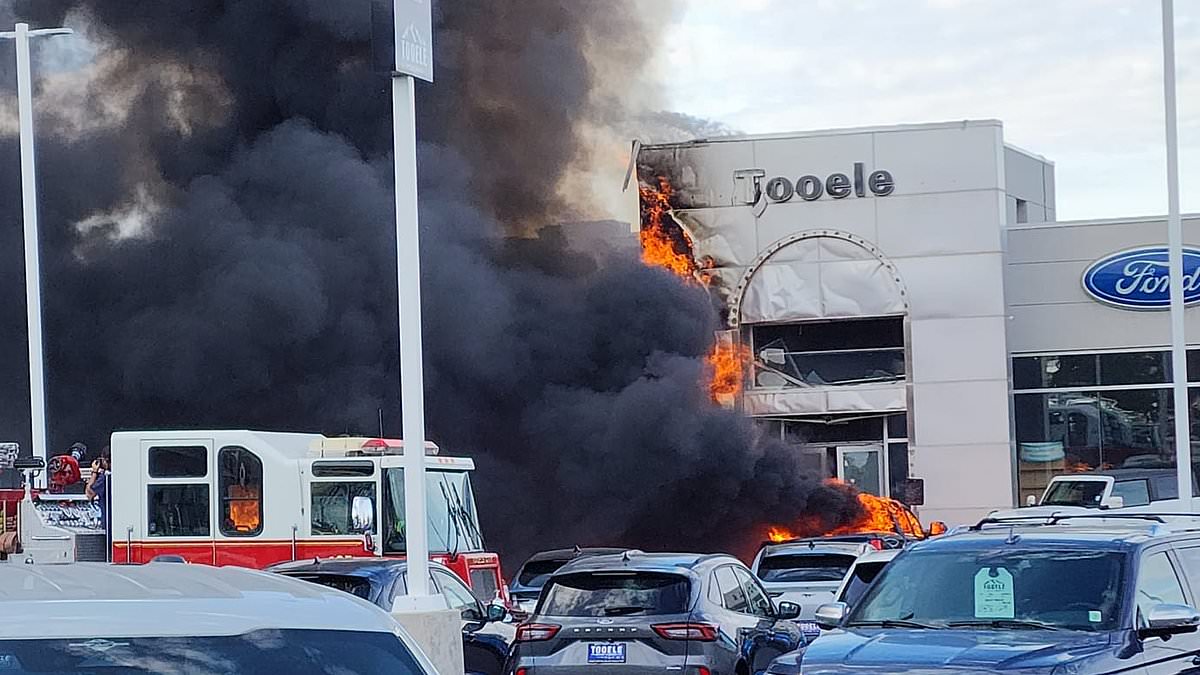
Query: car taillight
[[877, 544], [701, 632], [536, 632], [522, 671]]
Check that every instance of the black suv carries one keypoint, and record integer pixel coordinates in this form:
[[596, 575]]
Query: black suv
[[654, 612], [1080, 593]]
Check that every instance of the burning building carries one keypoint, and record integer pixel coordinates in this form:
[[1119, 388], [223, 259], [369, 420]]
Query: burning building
[[859, 276]]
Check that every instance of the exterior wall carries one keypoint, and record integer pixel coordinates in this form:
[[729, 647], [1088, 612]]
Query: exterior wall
[[1028, 178], [1050, 310], [941, 228]]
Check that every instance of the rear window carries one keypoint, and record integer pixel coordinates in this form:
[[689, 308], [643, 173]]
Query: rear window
[[262, 651], [1087, 493], [806, 567], [348, 584], [536, 573], [619, 594], [859, 580]]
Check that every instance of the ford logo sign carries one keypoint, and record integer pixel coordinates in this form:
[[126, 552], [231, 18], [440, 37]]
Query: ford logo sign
[[1138, 279]]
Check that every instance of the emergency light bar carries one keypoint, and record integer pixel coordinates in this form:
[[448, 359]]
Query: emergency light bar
[[363, 446]]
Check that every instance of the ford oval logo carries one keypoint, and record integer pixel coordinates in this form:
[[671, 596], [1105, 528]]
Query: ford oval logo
[[1137, 278]]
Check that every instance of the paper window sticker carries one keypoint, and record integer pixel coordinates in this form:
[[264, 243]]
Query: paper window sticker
[[1095, 617], [994, 594]]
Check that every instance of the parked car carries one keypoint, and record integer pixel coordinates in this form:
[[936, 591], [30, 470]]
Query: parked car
[[96, 618], [858, 579], [662, 612], [1079, 593], [807, 571], [860, 575], [527, 583], [486, 637]]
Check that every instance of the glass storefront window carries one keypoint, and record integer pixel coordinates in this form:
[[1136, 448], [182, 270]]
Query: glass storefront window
[[1064, 370], [1135, 368], [1084, 430]]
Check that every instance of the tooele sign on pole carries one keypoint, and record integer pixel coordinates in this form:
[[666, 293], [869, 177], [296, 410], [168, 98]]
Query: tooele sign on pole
[[414, 59]]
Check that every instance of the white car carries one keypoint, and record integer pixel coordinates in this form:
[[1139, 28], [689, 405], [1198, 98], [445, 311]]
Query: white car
[[806, 572], [191, 619], [862, 573]]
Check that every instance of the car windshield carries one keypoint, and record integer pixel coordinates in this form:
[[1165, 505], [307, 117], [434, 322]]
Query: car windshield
[[1005, 585], [805, 567], [615, 594], [859, 580], [1086, 493], [302, 652], [535, 573]]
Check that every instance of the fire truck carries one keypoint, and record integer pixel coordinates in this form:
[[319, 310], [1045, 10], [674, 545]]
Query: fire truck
[[252, 499]]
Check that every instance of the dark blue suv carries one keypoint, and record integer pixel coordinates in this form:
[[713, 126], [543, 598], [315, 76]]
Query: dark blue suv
[[1101, 593]]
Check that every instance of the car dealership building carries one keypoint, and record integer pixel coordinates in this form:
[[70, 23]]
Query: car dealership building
[[919, 322]]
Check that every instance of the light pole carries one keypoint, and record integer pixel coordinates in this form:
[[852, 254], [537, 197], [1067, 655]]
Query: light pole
[[414, 58], [33, 266], [1183, 443]]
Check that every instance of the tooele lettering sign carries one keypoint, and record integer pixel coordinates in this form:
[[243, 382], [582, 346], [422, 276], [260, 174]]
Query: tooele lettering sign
[[1138, 278], [751, 183]]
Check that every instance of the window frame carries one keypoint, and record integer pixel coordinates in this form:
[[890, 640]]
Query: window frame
[[223, 500], [750, 587], [1168, 555], [737, 582], [356, 480], [181, 477], [150, 487]]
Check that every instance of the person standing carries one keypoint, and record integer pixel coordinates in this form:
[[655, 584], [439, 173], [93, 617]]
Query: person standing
[[97, 490]]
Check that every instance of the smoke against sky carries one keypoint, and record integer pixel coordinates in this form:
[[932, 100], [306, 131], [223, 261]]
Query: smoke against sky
[[218, 252]]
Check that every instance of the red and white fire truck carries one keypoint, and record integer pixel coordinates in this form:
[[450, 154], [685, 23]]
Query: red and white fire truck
[[251, 499]]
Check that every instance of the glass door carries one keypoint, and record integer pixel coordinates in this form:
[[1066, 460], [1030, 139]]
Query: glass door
[[862, 467]]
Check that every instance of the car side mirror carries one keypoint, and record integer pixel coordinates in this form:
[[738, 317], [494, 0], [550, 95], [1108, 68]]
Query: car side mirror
[[788, 611], [1030, 500], [1113, 502], [831, 615], [1164, 620], [496, 613]]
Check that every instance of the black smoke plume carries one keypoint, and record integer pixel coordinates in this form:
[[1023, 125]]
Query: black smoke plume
[[218, 252]]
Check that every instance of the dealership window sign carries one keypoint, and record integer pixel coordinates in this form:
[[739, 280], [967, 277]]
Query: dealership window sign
[[1137, 278], [752, 183]]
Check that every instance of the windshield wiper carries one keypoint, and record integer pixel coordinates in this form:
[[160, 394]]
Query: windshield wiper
[[1004, 623], [625, 609], [892, 623]]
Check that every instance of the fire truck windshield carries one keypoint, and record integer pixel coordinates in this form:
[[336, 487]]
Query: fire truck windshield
[[451, 519]]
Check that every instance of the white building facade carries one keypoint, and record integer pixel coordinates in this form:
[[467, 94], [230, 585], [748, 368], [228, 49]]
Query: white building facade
[[865, 270]]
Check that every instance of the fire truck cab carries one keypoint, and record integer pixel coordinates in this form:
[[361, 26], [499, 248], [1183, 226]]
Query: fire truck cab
[[252, 499]]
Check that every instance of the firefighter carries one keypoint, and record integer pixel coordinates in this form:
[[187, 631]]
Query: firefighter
[[98, 490]]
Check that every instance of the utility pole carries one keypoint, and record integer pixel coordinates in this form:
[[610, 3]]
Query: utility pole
[[1183, 442], [33, 265]]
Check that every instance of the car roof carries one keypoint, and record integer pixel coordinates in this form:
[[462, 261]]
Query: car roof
[[645, 562], [1122, 474], [367, 567], [82, 600], [572, 553], [1112, 531], [878, 556], [816, 546]]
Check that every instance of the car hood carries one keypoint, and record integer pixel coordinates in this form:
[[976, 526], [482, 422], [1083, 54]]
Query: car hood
[[914, 651]]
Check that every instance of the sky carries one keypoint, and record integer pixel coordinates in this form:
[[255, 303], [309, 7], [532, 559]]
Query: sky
[[1076, 81]]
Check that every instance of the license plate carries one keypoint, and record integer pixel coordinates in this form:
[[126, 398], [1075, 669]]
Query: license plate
[[606, 652], [810, 628]]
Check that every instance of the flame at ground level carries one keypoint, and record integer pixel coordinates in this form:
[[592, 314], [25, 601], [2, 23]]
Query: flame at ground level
[[880, 514]]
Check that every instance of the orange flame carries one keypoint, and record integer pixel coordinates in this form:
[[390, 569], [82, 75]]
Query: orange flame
[[243, 508], [880, 514], [659, 247], [727, 361]]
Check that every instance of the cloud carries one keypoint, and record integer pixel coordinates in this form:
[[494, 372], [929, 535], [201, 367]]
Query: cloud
[[1081, 84]]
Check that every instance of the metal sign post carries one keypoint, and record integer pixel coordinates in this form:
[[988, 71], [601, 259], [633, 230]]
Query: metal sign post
[[33, 265], [1183, 443], [414, 58]]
